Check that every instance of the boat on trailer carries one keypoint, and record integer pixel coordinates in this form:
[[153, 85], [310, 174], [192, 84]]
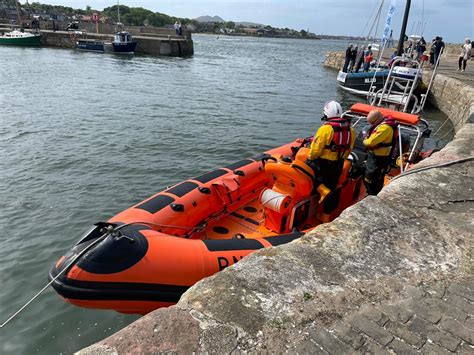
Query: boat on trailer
[[147, 256]]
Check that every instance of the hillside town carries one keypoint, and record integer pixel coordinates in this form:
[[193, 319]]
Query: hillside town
[[60, 17]]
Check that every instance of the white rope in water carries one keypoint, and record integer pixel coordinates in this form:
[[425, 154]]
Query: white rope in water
[[54, 279], [102, 237]]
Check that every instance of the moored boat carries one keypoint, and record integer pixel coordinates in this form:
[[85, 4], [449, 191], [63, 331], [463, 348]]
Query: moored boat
[[90, 45], [147, 256], [122, 44], [20, 38]]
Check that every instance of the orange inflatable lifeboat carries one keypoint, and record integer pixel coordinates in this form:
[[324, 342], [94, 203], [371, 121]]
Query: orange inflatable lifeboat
[[147, 256]]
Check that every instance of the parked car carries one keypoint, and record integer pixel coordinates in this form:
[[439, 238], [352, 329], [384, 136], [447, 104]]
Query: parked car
[[72, 26]]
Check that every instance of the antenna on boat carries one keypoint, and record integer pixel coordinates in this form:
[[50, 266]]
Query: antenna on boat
[[18, 13], [404, 28], [118, 12]]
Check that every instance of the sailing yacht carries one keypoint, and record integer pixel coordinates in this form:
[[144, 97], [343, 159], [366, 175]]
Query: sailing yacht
[[362, 83], [20, 37]]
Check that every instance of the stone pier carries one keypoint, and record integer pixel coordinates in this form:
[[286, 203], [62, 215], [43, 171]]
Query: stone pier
[[147, 43], [393, 274]]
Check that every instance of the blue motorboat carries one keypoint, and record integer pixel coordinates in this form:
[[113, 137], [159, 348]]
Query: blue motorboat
[[123, 43], [90, 45]]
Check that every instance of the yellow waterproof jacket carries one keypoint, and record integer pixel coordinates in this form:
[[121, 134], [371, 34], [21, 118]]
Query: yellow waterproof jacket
[[322, 139], [380, 140]]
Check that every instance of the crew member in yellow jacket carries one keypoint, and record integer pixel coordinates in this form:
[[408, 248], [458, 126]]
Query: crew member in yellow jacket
[[331, 145], [379, 141]]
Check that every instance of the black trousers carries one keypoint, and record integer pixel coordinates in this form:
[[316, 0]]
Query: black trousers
[[375, 170], [328, 172], [462, 62]]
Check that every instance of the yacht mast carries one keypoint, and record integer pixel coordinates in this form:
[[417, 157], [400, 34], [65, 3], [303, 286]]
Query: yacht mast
[[403, 29], [18, 13], [118, 11]]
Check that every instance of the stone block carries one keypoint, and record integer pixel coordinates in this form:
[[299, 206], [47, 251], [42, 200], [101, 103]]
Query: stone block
[[435, 291], [373, 330], [371, 347], [348, 335], [431, 332], [400, 347], [423, 310], [465, 292], [446, 308], [398, 313], [372, 313], [307, 347], [329, 342], [402, 332], [434, 349], [457, 329], [465, 349], [460, 303]]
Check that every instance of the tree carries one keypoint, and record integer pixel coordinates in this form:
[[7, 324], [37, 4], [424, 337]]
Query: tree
[[303, 33], [230, 25]]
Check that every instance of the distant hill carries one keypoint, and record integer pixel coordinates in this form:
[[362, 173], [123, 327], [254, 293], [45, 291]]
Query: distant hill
[[210, 19], [249, 24]]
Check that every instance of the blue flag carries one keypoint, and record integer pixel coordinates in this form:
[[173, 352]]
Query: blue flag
[[388, 21]]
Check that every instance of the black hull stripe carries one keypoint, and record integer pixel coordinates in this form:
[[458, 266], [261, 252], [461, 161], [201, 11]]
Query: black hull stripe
[[232, 244], [283, 238], [85, 290]]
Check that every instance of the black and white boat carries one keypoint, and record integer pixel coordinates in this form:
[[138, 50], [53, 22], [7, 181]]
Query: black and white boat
[[364, 82], [122, 44]]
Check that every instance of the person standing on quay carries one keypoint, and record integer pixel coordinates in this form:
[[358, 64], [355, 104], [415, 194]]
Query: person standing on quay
[[348, 58], [466, 51], [420, 48], [438, 45], [352, 62], [359, 59]]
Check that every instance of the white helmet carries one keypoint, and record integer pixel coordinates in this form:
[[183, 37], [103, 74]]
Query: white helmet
[[332, 109]]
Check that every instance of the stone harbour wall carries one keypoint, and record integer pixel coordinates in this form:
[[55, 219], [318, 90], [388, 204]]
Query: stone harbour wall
[[393, 274], [151, 44], [334, 60], [454, 98]]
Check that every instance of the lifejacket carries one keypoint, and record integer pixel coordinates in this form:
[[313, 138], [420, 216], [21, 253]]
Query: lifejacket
[[389, 120], [341, 140]]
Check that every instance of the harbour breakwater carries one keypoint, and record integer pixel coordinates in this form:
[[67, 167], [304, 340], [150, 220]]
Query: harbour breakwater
[[392, 273], [150, 43]]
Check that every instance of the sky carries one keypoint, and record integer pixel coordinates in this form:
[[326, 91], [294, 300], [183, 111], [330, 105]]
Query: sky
[[451, 19]]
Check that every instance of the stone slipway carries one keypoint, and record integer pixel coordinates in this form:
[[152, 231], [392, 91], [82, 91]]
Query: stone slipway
[[393, 273]]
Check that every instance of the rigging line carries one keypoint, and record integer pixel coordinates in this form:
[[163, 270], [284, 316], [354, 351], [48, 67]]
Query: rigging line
[[368, 20], [423, 15], [377, 17], [378, 21]]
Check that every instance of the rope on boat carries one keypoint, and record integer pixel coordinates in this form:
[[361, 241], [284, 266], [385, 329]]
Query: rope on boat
[[428, 167], [101, 238], [440, 127]]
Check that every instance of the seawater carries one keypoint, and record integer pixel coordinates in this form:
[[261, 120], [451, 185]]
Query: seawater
[[84, 136]]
